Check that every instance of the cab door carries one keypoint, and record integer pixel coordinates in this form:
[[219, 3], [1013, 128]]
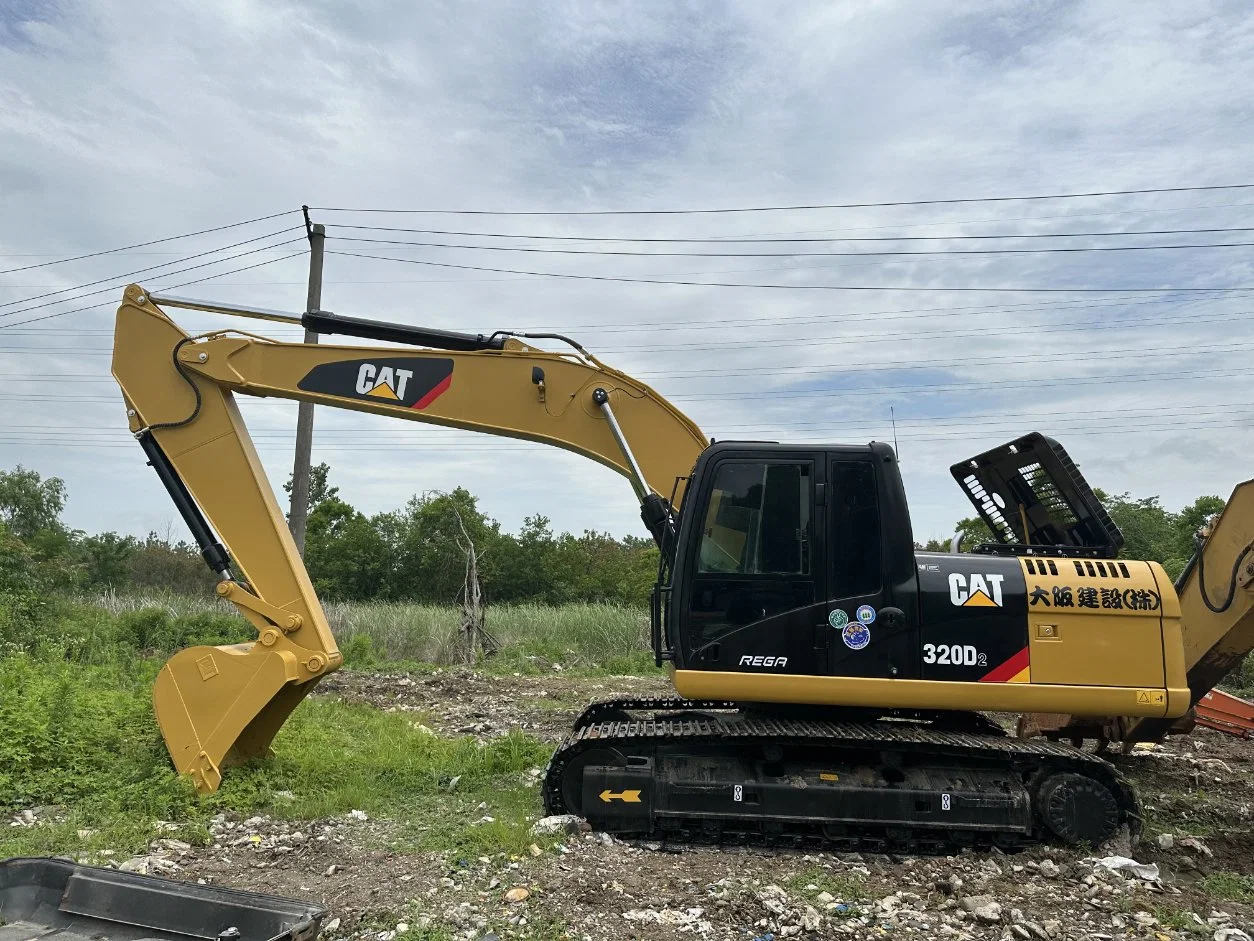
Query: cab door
[[871, 621], [758, 583]]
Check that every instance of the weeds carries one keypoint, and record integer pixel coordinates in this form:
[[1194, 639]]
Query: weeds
[[844, 887], [1174, 918], [81, 743], [1231, 886], [600, 638]]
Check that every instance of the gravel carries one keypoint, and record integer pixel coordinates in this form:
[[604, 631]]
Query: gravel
[[603, 889]]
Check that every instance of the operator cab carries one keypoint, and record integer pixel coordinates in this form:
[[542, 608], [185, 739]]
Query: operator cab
[[796, 559], [774, 540]]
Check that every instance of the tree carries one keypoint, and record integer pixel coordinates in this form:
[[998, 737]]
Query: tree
[[156, 562], [347, 555], [106, 560], [527, 564], [1189, 520], [425, 534], [29, 504], [973, 531], [319, 490]]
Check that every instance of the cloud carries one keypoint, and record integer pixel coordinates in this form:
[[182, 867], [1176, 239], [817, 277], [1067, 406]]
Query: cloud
[[125, 122]]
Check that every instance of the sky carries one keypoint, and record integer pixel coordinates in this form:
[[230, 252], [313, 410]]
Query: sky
[[123, 122]]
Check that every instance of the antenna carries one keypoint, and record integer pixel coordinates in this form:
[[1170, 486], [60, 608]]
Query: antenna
[[893, 416]]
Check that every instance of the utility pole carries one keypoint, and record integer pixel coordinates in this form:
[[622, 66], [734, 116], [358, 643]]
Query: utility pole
[[298, 514]]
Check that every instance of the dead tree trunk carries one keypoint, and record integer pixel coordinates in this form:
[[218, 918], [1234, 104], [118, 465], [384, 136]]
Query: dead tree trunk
[[473, 639]]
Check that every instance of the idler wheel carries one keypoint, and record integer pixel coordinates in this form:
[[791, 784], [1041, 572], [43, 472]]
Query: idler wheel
[[1078, 809]]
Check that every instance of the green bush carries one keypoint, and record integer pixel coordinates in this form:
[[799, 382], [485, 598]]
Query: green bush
[[74, 733], [154, 631]]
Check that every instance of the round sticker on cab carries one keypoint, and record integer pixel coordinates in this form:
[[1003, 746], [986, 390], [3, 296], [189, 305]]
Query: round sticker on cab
[[865, 614], [856, 635], [837, 618]]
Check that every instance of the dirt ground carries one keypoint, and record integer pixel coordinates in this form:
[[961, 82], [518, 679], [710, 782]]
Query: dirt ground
[[1200, 830]]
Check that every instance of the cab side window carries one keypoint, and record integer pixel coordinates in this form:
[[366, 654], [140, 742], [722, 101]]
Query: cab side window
[[758, 520], [855, 539]]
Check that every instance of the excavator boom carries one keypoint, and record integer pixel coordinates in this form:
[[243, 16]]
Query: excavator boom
[[221, 705]]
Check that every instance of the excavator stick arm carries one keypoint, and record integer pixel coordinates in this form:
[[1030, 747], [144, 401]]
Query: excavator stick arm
[[221, 705], [1216, 604]]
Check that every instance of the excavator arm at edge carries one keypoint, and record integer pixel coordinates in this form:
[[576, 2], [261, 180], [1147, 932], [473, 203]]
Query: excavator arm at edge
[[218, 706]]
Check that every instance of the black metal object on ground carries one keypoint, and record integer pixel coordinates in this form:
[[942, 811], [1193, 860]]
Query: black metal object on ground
[[40, 897]]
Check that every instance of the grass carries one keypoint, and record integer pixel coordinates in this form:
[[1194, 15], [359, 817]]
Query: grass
[[596, 638], [1176, 919], [81, 743], [1230, 886], [843, 886]]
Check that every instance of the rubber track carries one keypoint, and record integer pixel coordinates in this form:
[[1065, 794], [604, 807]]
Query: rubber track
[[1027, 755]]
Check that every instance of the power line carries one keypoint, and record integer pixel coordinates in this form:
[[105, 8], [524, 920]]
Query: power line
[[1142, 411], [762, 236], [801, 287], [446, 435], [1001, 220], [981, 384], [908, 313], [1158, 428], [736, 209], [165, 264], [824, 341], [1049, 327], [791, 241], [986, 360], [79, 310], [127, 248], [929, 388], [1053, 250]]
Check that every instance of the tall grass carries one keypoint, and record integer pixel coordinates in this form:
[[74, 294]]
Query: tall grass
[[80, 741], [589, 636], [532, 637]]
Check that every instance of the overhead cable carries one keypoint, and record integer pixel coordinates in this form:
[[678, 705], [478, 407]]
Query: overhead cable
[[758, 240], [169, 238], [805, 287], [138, 271], [79, 310], [735, 209], [1051, 250]]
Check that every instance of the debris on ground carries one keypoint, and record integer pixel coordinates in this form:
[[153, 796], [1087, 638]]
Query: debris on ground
[[1146, 871], [1200, 835]]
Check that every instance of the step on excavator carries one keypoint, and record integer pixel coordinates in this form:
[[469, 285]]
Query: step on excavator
[[833, 683]]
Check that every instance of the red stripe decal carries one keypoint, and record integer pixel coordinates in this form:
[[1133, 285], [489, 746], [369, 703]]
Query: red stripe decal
[[1008, 669], [437, 390]]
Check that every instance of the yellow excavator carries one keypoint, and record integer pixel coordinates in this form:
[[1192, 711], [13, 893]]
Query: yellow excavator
[[832, 681]]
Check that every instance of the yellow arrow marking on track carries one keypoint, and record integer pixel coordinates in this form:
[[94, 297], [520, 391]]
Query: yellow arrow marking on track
[[630, 797]]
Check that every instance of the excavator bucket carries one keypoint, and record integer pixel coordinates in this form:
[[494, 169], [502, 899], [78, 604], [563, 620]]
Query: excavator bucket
[[219, 706]]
